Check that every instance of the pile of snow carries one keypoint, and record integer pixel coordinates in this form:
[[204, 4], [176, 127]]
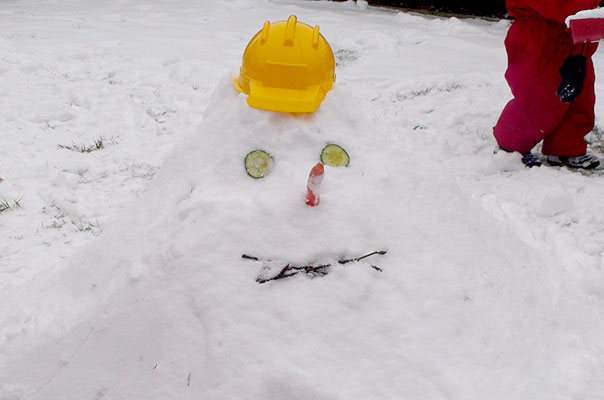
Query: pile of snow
[[491, 287]]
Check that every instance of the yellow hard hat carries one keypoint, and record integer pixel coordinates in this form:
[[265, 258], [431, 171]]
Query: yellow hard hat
[[288, 66]]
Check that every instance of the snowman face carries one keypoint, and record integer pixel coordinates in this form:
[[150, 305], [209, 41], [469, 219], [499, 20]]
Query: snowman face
[[252, 176]]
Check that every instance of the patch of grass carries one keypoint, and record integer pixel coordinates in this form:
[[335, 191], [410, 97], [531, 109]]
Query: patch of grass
[[421, 92], [56, 224], [86, 226], [60, 219], [447, 88], [86, 148], [160, 116], [139, 170], [9, 205], [451, 87], [345, 56]]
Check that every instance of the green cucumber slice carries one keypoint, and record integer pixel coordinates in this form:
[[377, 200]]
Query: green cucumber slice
[[258, 164], [335, 156]]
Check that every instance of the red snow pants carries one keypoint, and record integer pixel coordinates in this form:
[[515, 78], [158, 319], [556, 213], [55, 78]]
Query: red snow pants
[[536, 49]]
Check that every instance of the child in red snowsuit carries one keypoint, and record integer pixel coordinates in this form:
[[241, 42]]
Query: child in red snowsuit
[[538, 45]]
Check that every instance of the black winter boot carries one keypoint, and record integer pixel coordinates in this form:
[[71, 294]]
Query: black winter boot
[[586, 161]]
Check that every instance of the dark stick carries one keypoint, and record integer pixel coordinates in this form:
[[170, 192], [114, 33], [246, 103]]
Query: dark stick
[[295, 270], [381, 253]]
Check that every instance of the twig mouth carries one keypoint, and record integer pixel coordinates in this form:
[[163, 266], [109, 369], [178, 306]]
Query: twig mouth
[[310, 269]]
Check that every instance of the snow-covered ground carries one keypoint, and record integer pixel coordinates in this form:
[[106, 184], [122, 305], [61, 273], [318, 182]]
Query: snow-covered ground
[[121, 274]]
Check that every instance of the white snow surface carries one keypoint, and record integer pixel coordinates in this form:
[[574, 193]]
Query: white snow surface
[[121, 274]]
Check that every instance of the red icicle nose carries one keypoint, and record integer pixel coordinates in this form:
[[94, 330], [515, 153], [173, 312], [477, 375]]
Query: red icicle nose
[[314, 184]]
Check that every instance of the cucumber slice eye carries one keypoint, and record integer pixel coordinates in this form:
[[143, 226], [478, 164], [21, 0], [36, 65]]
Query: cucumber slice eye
[[335, 156], [258, 164]]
